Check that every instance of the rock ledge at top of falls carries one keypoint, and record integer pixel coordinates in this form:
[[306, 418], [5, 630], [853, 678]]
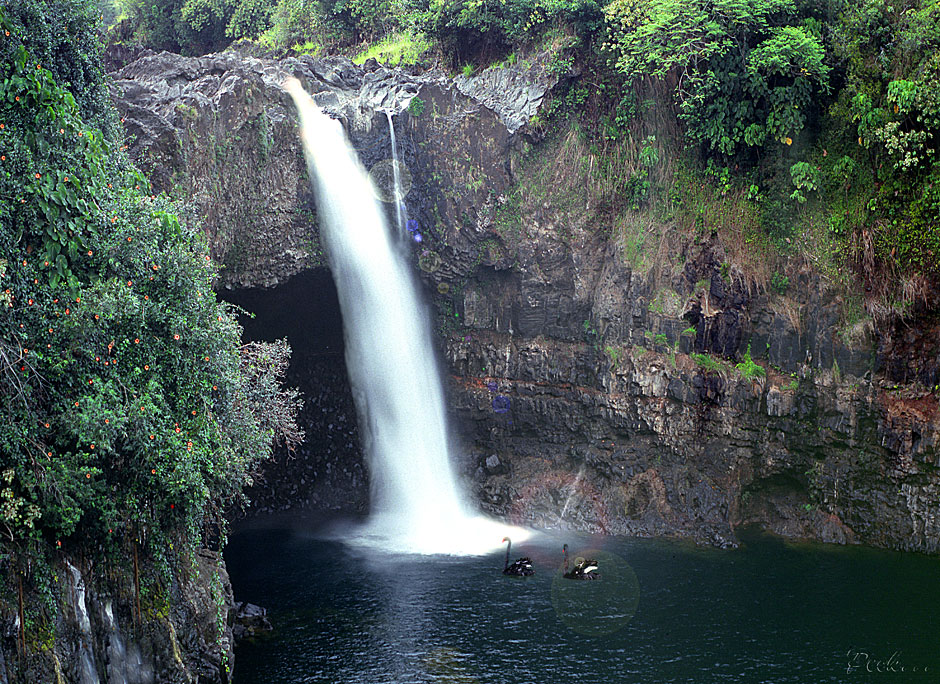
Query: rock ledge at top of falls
[[221, 131]]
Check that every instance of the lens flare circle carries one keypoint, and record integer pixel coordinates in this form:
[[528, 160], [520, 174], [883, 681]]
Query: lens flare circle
[[598, 607]]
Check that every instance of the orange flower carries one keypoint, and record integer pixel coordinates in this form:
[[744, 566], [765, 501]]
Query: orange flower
[[76, 403], [66, 179], [128, 238], [151, 436], [153, 471], [130, 282], [136, 340], [78, 300], [47, 424], [146, 367], [68, 311], [207, 358], [3, 158], [38, 176], [176, 337], [96, 317], [90, 252], [194, 413], [215, 387], [146, 298], [91, 381], [107, 421], [17, 98], [89, 474], [141, 408]]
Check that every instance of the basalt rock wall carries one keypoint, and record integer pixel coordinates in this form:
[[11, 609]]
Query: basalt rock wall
[[111, 629], [587, 390]]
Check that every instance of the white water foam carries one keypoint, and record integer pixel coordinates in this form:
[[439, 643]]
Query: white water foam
[[417, 506]]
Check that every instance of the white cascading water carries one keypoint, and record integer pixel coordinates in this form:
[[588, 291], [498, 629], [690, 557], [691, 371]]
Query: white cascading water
[[396, 176], [87, 673], [416, 504]]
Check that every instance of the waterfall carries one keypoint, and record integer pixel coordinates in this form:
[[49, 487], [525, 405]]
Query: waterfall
[[416, 504], [397, 195], [87, 672]]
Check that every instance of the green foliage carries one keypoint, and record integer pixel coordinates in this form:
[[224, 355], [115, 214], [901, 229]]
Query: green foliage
[[888, 116], [614, 354], [805, 177], [707, 363], [294, 22], [61, 36], [745, 73], [748, 368], [416, 106], [473, 28], [397, 49], [132, 409], [195, 26]]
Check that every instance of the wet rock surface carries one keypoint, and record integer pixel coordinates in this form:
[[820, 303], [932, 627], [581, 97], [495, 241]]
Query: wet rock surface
[[250, 621], [176, 636]]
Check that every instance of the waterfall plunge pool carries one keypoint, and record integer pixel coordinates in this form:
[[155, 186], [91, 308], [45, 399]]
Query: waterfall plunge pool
[[665, 611]]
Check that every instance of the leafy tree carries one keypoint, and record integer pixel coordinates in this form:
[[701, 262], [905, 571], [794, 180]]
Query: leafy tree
[[132, 410], [745, 73], [469, 28]]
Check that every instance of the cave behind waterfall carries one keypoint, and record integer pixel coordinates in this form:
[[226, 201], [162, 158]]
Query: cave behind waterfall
[[325, 475]]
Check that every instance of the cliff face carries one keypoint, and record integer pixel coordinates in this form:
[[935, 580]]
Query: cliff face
[[110, 630], [593, 383]]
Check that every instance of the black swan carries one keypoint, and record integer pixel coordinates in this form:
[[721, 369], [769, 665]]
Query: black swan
[[520, 568], [583, 569]]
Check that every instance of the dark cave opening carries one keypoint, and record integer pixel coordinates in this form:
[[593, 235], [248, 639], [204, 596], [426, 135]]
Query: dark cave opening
[[325, 474]]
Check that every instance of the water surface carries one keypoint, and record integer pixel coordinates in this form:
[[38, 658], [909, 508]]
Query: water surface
[[664, 611]]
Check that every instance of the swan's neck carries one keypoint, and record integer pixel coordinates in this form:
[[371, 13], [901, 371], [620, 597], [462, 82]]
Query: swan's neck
[[508, 546]]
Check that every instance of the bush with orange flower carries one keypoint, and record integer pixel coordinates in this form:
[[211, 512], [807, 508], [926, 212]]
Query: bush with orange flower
[[131, 408]]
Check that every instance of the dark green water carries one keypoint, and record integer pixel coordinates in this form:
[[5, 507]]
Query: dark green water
[[662, 612]]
